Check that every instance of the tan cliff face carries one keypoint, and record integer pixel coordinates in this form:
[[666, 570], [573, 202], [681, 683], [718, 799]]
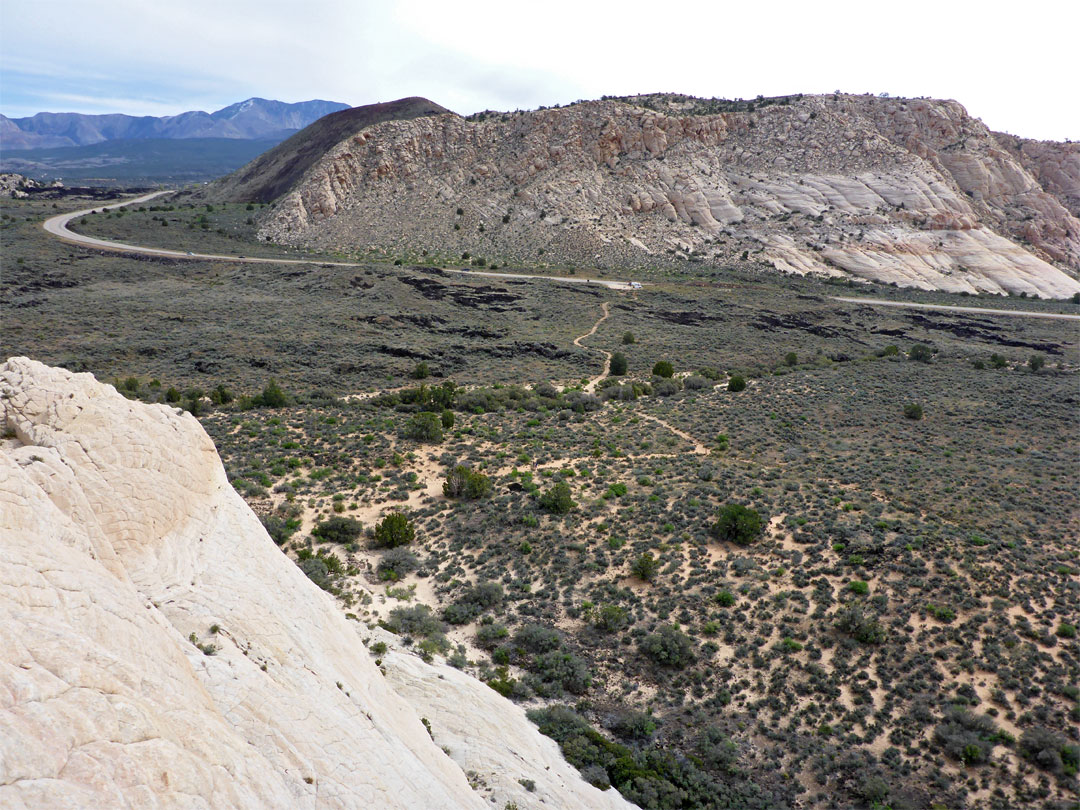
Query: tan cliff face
[[908, 191], [123, 545]]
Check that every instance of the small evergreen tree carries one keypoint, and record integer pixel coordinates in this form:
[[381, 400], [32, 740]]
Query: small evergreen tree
[[394, 530], [738, 524], [618, 364], [558, 499]]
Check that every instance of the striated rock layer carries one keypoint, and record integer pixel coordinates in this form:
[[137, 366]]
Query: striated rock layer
[[123, 545], [913, 192]]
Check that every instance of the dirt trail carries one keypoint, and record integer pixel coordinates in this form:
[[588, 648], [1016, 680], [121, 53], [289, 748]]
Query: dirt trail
[[699, 448], [590, 387]]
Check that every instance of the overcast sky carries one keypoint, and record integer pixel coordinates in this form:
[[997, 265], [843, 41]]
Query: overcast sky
[[1014, 65]]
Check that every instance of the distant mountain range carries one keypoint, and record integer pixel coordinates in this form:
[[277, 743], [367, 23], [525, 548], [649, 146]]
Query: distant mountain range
[[254, 119]]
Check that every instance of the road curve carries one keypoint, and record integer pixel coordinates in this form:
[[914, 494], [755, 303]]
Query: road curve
[[1017, 313], [58, 226]]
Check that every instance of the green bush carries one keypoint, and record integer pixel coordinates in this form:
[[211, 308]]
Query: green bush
[[421, 371], [338, 529], [271, 397], [645, 567], [736, 383], [317, 571], [738, 524], [462, 482], [668, 647], [791, 359], [1036, 362], [618, 364], [628, 338], [864, 629], [913, 411], [425, 426], [558, 499], [394, 530], [396, 563], [663, 368], [921, 353], [1049, 750], [998, 361]]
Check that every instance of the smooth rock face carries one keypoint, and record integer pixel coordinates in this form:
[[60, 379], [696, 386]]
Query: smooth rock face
[[122, 540], [499, 754], [610, 183]]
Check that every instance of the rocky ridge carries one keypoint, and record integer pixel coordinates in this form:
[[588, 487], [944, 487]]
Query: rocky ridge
[[158, 650], [907, 191]]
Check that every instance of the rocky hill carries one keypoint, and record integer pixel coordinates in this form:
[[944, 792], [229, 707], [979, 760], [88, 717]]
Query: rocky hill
[[277, 171], [908, 191], [158, 650], [255, 118]]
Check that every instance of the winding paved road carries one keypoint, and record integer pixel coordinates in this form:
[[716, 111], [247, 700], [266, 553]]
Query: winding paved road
[[58, 226], [1016, 313]]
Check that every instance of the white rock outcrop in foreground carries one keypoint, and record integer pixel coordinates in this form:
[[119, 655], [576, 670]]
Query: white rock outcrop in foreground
[[122, 541]]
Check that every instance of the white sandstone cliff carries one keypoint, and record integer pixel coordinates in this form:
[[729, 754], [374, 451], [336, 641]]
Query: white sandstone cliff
[[906, 191], [122, 545]]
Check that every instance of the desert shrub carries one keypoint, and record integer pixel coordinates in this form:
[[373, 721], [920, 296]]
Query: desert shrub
[[665, 388], [474, 601], [913, 411], [634, 725], [338, 529], [645, 567], [1036, 362], [556, 671], [998, 361], [889, 351], [394, 530], [696, 382], [462, 482], [663, 368], [173, 394], [861, 627], [628, 338], [921, 353], [859, 587], [967, 737], [1066, 630], [396, 563], [271, 397], [668, 647], [558, 499], [490, 636], [414, 620], [791, 359], [421, 371], [710, 373], [618, 364], [1048, 750], [425, 426], [724, 598], [738, 524], [610, 618], [447, 419], [317, 571], [536, 638], [279, 528], [736, 383]]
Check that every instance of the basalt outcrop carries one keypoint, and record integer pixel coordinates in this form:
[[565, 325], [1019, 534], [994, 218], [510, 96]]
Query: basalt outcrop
[[908, 191], [157, 650]]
